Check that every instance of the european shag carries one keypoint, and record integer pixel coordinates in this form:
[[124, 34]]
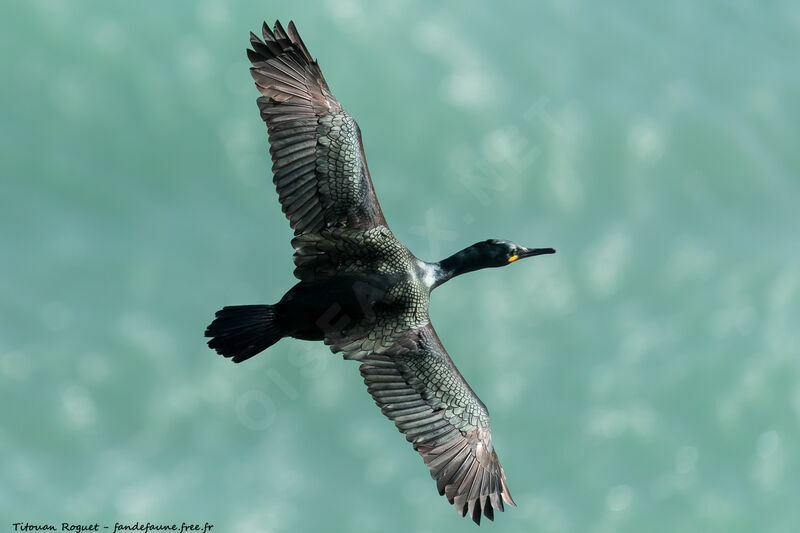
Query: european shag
[[361, 291]]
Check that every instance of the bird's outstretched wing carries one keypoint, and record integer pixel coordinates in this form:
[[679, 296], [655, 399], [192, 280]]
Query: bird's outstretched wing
[[318, 160], [416, 384]]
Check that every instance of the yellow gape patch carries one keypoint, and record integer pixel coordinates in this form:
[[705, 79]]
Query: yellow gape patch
[[513, 258]]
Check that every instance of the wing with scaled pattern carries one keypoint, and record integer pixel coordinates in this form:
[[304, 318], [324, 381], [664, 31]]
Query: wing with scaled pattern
[[416, 384], [319, 167]]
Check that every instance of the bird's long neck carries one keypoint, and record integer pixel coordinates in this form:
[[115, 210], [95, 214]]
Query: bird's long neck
[[467, 260]]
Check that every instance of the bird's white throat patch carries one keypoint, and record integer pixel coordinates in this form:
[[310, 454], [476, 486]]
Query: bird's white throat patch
[[430, 273]]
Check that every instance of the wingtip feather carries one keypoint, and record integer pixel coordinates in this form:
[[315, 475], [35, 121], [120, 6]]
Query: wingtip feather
[[266, 32]]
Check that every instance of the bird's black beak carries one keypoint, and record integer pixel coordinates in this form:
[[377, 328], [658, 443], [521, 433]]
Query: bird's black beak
[[530, 252]]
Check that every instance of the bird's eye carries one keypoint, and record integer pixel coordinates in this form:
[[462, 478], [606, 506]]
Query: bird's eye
[[513, 256]]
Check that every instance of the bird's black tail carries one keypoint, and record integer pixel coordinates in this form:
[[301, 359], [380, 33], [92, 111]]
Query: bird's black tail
[[242, 331]]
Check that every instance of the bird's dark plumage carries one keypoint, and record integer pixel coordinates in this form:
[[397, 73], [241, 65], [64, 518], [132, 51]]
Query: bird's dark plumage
[[416, 384], [361, 291], [318, 162]]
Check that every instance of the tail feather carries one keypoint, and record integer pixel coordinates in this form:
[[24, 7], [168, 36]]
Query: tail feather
[[242, 331]]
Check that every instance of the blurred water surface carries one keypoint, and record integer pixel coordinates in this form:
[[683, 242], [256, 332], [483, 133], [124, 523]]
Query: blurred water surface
[[645, 378]]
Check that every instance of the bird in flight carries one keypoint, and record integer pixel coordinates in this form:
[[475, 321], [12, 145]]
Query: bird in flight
[[361, 291]]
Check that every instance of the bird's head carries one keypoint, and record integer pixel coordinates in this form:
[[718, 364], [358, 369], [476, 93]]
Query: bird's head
[[485, 254], [497, 253]]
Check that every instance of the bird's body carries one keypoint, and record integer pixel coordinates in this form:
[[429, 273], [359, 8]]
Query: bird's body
[[361, 291], [351, 290]]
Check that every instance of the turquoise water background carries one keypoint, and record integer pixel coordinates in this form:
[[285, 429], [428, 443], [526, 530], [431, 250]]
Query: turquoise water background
[[644, 379]]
